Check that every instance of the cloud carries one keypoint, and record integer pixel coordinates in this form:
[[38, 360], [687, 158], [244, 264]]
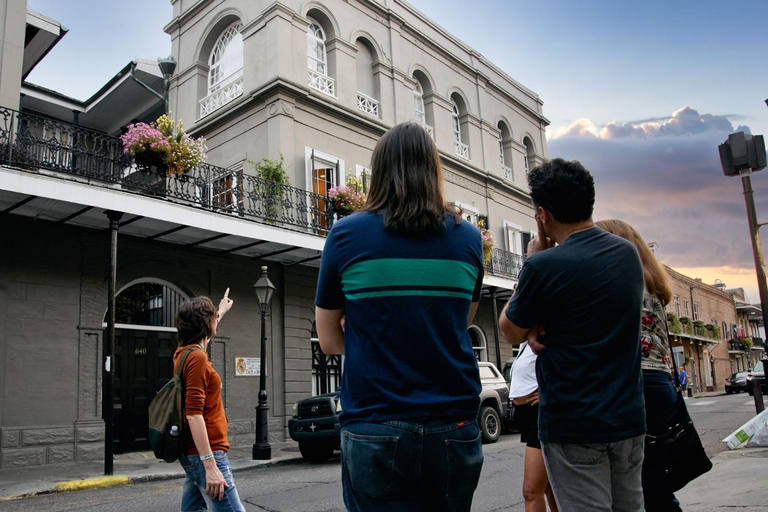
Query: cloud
[[685, 121], [664, 178]]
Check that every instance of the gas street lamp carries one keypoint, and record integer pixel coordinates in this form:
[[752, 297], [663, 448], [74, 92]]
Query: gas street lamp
[[264, 290]]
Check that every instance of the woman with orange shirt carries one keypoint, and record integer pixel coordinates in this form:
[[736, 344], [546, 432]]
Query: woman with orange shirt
[[208, 483]]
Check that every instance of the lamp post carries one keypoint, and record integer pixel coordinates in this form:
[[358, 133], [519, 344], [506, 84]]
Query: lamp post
[[264, 290], [167, 67]]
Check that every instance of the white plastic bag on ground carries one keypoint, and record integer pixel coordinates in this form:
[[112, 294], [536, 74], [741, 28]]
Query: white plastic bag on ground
[[760, 437]]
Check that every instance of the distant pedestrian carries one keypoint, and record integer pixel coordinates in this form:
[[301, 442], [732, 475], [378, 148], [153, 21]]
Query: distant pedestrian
[[406, 276], [524, 391], [659, 388], [208, 483], [578, 305], [683, 378]]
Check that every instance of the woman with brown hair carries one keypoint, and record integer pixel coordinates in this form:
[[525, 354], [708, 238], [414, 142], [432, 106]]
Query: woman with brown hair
[[208, 482], [405, 274], [659, 387]]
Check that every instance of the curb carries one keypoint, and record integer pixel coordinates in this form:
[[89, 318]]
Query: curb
[[112, 481], [92, 483]]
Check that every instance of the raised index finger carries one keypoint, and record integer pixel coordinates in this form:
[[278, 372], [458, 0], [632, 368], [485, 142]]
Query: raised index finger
[[226, 293], [540, 226]]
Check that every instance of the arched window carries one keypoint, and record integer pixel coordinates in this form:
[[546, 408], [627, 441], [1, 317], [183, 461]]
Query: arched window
[[226, 61], [505, 151], [456, 123], [418, 100], [148, 303], [225, 70], [529, 154], [317, 58], [479, 343]]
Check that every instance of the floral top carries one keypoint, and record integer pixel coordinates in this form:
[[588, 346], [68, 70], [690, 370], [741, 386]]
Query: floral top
[[654, 340]]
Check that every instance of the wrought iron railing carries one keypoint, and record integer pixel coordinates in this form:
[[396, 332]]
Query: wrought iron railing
[[758, 342], [504, 263], [34, 142], [28, 141]]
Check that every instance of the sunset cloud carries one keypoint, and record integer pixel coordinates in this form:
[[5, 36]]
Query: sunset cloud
[[664, 177]]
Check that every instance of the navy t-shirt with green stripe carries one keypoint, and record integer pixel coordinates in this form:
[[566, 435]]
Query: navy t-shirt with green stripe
[[407, 350]]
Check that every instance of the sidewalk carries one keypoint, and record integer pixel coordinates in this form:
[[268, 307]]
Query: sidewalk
[[128, 468]]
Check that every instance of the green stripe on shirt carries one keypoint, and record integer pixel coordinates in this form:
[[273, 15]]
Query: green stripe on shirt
[[415, 274]]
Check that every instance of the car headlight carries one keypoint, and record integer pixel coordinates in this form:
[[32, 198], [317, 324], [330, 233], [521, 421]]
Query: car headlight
[[295, 410]]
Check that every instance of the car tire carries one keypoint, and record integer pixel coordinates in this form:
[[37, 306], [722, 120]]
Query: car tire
[[315, 452], [490, 424], [728, 391]]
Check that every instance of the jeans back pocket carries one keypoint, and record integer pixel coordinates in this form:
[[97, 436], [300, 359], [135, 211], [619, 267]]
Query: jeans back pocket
[[370, 463], [465, 462]]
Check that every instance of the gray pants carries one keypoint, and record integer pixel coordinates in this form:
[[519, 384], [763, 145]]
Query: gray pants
[[596, 477]]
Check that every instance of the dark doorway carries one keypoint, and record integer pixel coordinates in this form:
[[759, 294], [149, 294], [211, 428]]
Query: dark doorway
[[143, 364]]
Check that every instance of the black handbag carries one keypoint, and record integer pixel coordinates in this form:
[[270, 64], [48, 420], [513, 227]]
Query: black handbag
[[676, 456]]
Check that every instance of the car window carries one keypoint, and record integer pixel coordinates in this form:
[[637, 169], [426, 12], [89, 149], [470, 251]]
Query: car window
[[486, 372], [741, 375]]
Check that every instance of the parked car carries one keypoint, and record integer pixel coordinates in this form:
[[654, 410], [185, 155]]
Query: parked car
[[494, 402], [315, 421], [315, 426], [757, 374], [736, 383]]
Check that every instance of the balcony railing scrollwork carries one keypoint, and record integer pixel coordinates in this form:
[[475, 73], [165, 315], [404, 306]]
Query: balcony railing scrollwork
[[504, 263], [507, 173], [33, 142]]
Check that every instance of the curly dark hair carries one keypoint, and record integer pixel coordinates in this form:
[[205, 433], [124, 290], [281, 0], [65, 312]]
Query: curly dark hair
[[566, 189], [194, 320]]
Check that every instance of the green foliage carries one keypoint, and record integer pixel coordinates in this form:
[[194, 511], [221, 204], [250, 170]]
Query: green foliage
[[699, 329], [675, 327], [746, 343], [271, 185], [687, 325], [714, 329]]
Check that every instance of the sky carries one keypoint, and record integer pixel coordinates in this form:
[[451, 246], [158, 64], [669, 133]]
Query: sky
[[641, 93]]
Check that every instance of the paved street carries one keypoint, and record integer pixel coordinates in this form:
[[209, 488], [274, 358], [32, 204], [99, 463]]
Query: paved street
[[316, 487]]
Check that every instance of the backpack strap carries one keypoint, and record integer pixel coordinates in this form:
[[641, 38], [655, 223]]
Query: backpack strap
[[181, 379]]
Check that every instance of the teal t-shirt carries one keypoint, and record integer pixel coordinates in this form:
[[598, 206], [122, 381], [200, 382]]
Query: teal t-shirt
[[407, 350]]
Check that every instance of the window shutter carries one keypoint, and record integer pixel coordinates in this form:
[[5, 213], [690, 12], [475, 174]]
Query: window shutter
[[526, 240]]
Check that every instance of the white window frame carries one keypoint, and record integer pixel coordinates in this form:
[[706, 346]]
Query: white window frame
[[513, 238], [359, 172], [456, 123], [222, 66], [316, 40], [677, 304], [468, 209], [418, 100], [696, 311], [687, 308]]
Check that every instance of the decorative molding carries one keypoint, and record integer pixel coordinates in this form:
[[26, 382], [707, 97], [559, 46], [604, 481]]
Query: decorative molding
[[465, 183]]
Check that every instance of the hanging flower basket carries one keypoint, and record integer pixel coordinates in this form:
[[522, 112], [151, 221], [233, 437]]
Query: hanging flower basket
[[488, 242], [163, 144]]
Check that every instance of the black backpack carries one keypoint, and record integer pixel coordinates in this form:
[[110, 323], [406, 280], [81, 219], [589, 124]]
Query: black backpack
[[167, 433]]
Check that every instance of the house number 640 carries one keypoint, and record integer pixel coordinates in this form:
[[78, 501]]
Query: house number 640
[[140, 351]]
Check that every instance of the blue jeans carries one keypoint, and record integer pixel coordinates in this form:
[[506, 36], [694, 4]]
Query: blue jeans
[[660, 400], [193, 497], [596, 477], [410, 466]]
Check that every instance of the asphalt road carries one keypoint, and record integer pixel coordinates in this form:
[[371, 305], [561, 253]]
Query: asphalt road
[[316, 487]]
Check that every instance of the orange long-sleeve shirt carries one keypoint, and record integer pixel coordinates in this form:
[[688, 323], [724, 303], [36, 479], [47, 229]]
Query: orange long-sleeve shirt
[[203, 396]]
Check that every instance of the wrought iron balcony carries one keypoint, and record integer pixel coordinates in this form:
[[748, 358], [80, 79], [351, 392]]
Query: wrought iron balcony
[[32, 142], [504, 264], [758, 342]]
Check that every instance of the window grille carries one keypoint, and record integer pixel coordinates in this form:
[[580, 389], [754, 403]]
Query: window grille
[[146, 303], [226, 58], [418, 99], [317, 58]]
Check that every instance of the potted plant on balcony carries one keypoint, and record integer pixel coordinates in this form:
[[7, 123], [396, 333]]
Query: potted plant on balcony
[[270, 185], [675, 327], [698, 328], [488, 241], [746, 343], [347, 199], [164, 144]]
